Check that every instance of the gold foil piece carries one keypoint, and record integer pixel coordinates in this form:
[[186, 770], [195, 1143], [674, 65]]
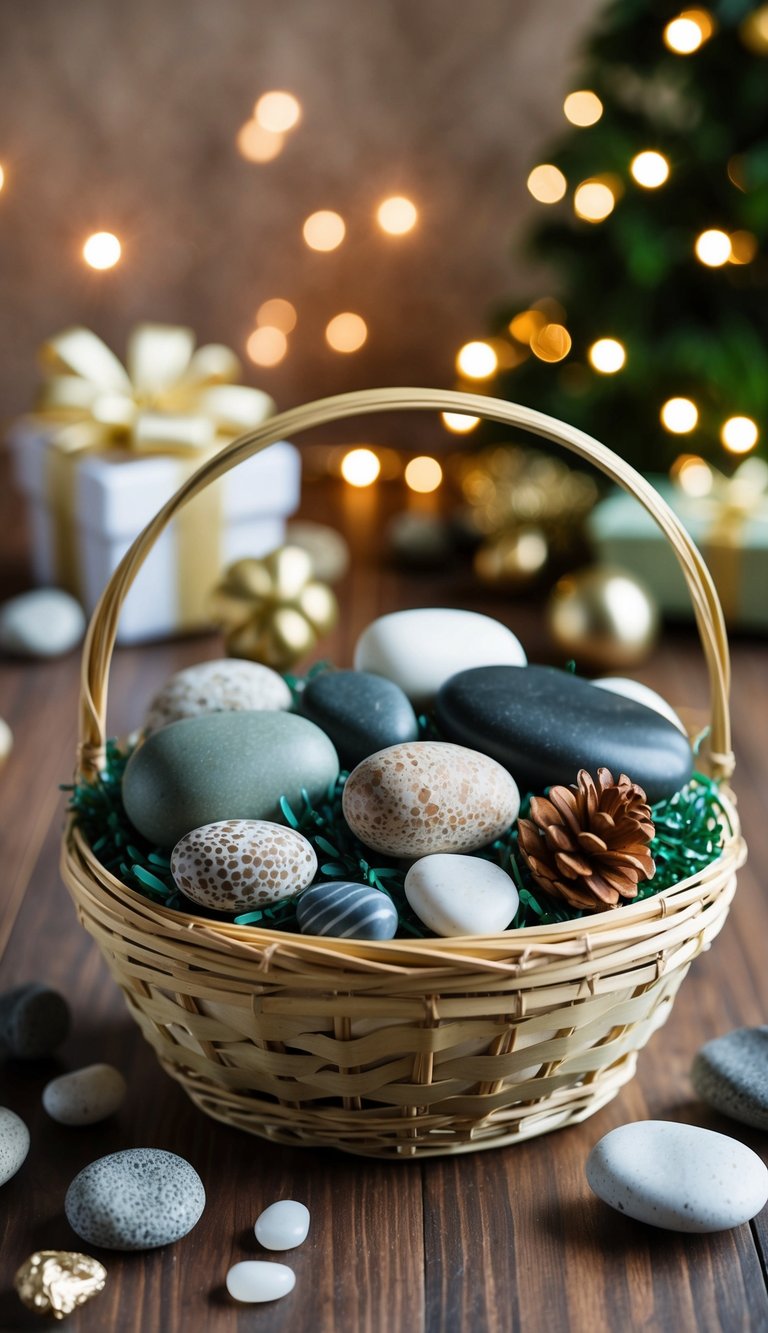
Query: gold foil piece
[[272, 610], [56, 1282]]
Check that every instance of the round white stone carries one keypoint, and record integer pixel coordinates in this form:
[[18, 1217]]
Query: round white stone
[[283, 1225], [43, 623], [85, 1096], [678, 1177], [6, 740], [419, 650], [461, 895], [642, 694], [14, 1143], [257, 1280]]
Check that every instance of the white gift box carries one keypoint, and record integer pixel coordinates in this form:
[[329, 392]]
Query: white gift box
[[115, 496]]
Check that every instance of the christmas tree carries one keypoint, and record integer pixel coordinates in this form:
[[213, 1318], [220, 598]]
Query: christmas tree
[[653, 232]]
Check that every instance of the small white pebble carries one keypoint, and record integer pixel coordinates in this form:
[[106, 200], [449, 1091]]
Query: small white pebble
[[85, 1096], [256, 1280], [283, 1225]]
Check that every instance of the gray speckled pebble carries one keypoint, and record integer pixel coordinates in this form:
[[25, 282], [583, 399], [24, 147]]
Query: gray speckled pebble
[[34, 1020], [678, 1177], [85, 1096], [731, 1075], [14, 1143], [135, 1200]]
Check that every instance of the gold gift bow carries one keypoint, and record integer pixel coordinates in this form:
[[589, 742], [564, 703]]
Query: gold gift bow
[[169, 399], [726, 508]]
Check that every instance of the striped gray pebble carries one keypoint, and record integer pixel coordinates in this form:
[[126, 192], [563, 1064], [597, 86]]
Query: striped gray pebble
[[347, 911]]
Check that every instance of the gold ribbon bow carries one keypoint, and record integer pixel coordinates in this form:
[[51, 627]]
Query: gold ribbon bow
[[169, 399], [272, 610], [725, 505]]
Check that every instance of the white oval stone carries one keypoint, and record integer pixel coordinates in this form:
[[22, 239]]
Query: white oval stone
[[14, 1143], [226, 685], [679, 1177], [461, 895], [283, 1225], [258, 1280], [421, 649], [6, 740], [85, 1096], [42, 623], [642, 694]]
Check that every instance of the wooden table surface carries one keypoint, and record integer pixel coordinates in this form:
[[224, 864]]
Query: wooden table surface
[[501, 1240]]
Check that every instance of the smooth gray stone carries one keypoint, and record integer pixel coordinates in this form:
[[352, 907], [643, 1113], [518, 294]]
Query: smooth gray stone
[[730, 1073], [34, 1020], [137, 1199], [14, 1143], [347, 911], [224, 766], [362, 713], [544, 724], [43, 623]]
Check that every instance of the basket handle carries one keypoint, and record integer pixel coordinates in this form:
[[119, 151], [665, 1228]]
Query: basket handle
[[100, 639]]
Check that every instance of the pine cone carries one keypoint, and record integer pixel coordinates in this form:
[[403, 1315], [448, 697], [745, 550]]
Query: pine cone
[[588, 844]]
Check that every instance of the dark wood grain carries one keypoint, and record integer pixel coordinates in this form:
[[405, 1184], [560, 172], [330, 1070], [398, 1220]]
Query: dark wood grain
[[501, 1241]]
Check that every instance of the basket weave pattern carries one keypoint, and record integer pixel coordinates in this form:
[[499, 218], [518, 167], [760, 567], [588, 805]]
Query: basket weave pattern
[[406, 1047]]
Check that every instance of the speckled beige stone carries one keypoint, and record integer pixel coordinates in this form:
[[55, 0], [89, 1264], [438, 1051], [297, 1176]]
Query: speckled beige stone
[[238, 865], [423, 797], [222, 686]]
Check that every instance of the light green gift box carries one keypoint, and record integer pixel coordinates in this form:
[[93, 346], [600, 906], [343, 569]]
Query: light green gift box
[[730, 528]]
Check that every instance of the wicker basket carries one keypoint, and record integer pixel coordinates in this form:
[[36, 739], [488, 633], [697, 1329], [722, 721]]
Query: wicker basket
[[403, 1048]]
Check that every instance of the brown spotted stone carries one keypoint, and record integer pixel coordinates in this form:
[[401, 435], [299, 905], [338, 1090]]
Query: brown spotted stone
[[238, 865]]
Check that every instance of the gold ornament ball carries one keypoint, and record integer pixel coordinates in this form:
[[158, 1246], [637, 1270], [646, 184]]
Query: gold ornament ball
[[603, 617], [514, 560], [56, 1282]]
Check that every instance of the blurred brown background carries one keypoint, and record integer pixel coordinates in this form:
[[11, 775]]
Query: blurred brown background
[[124, 117]]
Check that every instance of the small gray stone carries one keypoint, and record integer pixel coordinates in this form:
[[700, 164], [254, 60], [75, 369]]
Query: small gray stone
[[678, 1177], [361, 712], [730, 1073], [14, 1143], [85, 1096], [137, 1199], [224, 766], [34, 1020], [42, 623], [347, 911]]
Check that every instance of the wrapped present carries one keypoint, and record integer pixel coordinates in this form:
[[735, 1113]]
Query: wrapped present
[[106, 447], [727, 517]]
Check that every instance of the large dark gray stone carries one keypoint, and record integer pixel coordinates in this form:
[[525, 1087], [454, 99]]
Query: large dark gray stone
[[224, 766], [731, 1074], [34, 1020], [361, 712], [544, 724]]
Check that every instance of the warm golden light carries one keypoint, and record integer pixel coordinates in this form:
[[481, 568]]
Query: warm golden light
[[423, 474], [583, 108], [686, 33], [346, 332], [607, 355], [650, 169], [713, 248], [593, 201], [551, 343], [743, 247], [693, 475], [527, 324], [277, 112], [360, 467], [754, 31], [739, 434], [397, 215], [476, 360], [458, 422], [278, 313], [266, 346], [256, 144], [679, 415], [102, 250], [324, 230], [547, 184]]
